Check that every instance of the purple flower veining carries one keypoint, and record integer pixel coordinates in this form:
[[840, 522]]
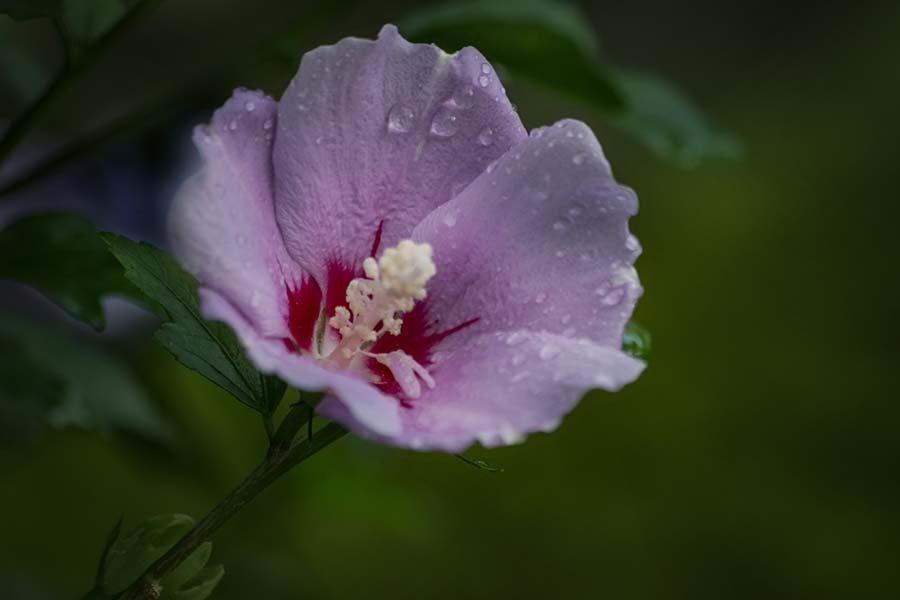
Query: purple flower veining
[[390, 233]]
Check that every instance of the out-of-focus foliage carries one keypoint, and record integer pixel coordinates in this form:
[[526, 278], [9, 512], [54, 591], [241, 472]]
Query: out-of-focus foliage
[[62, 256], [127, 556], [552, 44], [87, 20], [68, 384], [211, 349], [30, 9]]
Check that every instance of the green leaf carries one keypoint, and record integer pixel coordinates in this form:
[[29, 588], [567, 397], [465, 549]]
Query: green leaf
[[211, 349], [668, 122], [87, 20], [186, 571], [90, 388], [131, 554], [30, 9], [202, 585], [636, 341], [544, 42], [28, 391], [62, 256], [21, 73]]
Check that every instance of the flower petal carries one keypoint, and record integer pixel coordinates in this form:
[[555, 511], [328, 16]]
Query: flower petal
[[364, 405], [222, 222], [502, 386], [382, 131], [540, 241]]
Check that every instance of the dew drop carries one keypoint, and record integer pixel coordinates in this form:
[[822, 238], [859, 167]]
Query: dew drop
[[614, 297], [485, 68], [233, 125], [578, 159], [267, 124], [449, 219], [574, 211], [631, 243], [521, 375], [559, 226], [540, 297], [548, 351], [486, 137], [400, 118], [302, 107], [250, 106], [516, 338], [517, 359], [483, 80], [463, 98], [444, 124]]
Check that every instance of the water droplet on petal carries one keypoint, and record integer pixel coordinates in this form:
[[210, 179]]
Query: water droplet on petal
[[631, 243], [548, 351], [400, 118], [250, 106], [486, 137], [233, 125], [449, 219], [485, 68], [574, 211], [483, 80], [540, 297], [444, 124], [614, 297], [559, 226], [516, 338], [517, 359], [578, 159], [267, 124]]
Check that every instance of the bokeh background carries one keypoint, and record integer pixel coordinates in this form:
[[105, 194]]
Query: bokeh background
[[757, 457]]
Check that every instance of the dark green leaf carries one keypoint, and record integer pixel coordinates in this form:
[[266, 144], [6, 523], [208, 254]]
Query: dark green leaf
[[21, 73], [186, 571], [202, 585], [28, 391], [211, 349], [30, 9], [131, 554], [544, 42], [62, 256], [479, 464], [636, 341], [87, 20], [666, 121], [92, 389]]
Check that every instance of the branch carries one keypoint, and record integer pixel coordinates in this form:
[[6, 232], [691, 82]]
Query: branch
[[276, 464]]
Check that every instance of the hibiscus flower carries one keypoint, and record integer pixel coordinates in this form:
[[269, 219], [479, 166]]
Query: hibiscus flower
[[389, 232]]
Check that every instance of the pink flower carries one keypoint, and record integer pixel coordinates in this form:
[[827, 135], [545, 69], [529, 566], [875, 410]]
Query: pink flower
[[475, 281]]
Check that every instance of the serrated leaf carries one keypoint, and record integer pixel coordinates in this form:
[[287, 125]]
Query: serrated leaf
[[209, 348], [63, 257], [131, 554], [202, 585], [30, 9], [544, 42], [87, 20], [97, 391], [637, 341], [668, 122]]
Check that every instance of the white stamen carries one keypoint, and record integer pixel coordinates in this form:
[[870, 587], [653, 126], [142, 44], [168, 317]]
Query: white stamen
[[390, 286]]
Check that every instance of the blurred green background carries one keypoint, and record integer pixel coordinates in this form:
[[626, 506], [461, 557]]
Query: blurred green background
[[757, 457]]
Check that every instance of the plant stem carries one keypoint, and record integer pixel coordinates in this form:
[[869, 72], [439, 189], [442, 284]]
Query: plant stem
[[73, 66], [274, 465]]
